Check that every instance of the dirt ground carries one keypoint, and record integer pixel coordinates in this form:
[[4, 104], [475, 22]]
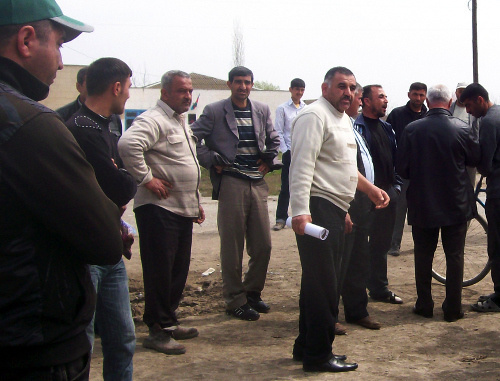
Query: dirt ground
[[408, 347]]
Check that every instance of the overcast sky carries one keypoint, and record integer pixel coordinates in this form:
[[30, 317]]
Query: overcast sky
[[389, 42]]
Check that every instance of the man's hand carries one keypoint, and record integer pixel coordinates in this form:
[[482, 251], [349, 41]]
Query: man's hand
[[158, 187], [379, 197], [201, 217], [218, 168], [263, 167], [348, 224], [299, 223]]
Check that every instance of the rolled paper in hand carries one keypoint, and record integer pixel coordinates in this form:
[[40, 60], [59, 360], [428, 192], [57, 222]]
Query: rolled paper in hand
[[311, 229]]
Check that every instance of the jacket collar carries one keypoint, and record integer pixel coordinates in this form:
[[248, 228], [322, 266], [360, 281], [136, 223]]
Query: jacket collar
[[423, 111], [22, 80], [98, 118], [438, 111]]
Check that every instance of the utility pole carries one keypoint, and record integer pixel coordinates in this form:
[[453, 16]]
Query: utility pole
[[475, 72]]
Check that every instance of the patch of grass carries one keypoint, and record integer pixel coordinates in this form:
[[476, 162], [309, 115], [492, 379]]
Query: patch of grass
[[273, 180]]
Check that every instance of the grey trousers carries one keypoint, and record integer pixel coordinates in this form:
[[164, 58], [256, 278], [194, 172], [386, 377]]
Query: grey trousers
[[243, 213]]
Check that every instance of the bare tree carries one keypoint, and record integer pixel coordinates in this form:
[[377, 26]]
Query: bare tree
[[238, 46], [140, 77]]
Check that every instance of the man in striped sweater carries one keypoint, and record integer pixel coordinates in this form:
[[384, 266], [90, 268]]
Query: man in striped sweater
[[240, 145]]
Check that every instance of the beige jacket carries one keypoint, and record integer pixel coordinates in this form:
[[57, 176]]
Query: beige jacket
[[157, 145], [323, 157]]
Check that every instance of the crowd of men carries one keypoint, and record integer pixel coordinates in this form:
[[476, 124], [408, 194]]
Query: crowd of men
[[67, 178]]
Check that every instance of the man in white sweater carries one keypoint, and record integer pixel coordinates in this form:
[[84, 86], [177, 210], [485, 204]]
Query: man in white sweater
[[323, 180]]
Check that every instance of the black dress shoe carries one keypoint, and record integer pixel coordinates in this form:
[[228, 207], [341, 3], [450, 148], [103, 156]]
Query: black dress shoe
[[258, 304], [299, 357], [390, 297], [453, 317], [245, 312], [332, 365], [422, 312]]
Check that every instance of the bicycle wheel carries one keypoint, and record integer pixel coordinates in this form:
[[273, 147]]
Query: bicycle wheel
[[476, 264]]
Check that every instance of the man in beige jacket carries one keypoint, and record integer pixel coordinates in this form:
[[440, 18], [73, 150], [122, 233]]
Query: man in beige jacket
[[159, 150]]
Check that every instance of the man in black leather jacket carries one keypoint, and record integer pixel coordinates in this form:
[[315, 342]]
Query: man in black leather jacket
[[54, 217], [433, 154]]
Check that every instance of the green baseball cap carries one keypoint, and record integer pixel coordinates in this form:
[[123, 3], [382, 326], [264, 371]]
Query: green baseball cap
[[14, 12]]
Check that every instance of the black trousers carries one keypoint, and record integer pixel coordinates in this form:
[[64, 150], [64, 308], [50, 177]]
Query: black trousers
[[493, 216], [165, 242], [380, 242], [76, 370], [284, 197], [356, 262], [319, 286], [425, 240]]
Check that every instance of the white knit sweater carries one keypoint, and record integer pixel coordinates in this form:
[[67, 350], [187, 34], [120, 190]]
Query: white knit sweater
[[323, 157]]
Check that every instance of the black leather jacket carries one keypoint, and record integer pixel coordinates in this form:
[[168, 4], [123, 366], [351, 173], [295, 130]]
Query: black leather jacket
[[54, 220], [433, 154]]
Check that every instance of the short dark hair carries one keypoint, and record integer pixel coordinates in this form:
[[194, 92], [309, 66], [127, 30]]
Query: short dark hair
[[367, 92], [82, 73], [297, 82], [334, 70], [240, 71], [473, 91], [418, 86], [104, 72]]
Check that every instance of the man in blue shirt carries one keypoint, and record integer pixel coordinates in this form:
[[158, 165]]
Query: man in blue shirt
[[285, 114]]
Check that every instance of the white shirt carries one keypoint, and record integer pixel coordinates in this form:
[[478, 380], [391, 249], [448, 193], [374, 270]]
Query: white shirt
[[285, 114], [365, 155]]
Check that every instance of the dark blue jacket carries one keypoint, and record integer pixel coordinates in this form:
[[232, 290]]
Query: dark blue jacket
[[360, 125]]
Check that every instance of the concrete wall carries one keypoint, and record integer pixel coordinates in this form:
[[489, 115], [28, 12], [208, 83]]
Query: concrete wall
[[63, 90], [142, 99]]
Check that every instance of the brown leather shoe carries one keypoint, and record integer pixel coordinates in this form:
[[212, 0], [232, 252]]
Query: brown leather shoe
[[340, 329], [183, 333], [161, 340], [368, 322]]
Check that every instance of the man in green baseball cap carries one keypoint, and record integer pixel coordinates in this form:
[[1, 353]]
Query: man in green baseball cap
[[54, 217]]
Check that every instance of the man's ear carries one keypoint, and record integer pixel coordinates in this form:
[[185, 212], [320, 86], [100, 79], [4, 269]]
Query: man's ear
[[324, 87], [117, 88], [26, 39]]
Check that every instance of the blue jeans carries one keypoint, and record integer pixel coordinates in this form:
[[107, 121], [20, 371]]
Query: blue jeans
[[113, 321]]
